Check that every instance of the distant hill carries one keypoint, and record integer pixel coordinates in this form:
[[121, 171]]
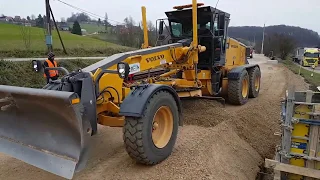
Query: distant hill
[[302, 36]]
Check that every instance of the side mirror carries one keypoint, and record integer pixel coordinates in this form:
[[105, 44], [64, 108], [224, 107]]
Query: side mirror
[[161, 27], [36, 65], [123, 69]]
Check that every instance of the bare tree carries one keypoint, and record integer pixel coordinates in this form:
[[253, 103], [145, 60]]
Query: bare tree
[[99, 22], [286, 46], [106, 23], [279, 44], [129, 34], [151, 33], [26, 36]]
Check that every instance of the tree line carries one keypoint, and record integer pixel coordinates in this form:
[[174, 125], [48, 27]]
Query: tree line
[[130, 33], [302, 36], [277, 45], [280, 40]]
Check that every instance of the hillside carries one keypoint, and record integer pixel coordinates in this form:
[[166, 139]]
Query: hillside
[[21, 41], [303, 37]]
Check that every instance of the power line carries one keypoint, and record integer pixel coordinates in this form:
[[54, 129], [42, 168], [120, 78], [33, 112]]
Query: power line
[[92, 14], [87, 12], [217, 4], [215, 8]]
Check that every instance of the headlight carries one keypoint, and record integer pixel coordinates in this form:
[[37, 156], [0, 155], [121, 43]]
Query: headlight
[[36, 65], [123, 70]]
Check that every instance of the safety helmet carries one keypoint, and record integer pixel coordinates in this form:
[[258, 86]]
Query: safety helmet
[[51, 55]]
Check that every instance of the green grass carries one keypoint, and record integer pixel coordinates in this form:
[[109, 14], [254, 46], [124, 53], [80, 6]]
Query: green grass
[[306, 74], [12, 43], [106, 37], [22, 74]]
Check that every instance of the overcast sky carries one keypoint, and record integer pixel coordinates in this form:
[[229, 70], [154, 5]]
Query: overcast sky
[[303, 13]]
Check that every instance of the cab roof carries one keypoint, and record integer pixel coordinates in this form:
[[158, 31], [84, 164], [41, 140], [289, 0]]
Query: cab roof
[[187, 12]]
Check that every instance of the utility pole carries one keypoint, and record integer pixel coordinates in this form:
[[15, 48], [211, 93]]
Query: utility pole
[[264, 25], [55, 24], [48, 27]]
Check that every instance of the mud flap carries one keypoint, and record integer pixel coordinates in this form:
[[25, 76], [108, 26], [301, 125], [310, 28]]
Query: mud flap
[[44, 128]]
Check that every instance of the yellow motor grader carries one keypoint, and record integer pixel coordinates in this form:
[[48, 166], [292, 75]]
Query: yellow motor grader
[[51, 128]]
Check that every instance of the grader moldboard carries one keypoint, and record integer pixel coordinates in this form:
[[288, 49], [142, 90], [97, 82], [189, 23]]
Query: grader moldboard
[[51, 128]]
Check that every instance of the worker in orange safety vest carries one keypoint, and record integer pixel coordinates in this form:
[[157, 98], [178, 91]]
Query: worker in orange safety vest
[[50, 74]]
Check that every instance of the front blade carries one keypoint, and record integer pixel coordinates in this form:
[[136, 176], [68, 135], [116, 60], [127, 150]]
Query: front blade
[[43, 128]]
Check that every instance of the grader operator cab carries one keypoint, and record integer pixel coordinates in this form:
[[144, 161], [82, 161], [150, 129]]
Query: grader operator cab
[[212, 30], [51, 128]]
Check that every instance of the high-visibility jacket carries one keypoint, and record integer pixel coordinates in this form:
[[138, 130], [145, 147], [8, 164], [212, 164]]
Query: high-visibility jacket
[[52, 73]]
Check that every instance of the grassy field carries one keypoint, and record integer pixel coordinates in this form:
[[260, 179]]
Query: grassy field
[[22, 74], [106, 37], [306, 74], [12, 43]]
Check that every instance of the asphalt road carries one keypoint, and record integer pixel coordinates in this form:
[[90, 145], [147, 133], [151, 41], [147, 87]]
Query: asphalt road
[[317, 69]]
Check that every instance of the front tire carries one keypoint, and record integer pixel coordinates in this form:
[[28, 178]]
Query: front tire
[[238, 90], [254, 77], [150, 139]]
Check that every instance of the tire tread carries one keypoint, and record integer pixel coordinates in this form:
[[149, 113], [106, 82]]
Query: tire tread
[[252, 72], [234, 91], [132, 134]]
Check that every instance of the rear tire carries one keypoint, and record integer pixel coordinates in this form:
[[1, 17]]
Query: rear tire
[[151, 138], [238, 90], [255, 78]]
